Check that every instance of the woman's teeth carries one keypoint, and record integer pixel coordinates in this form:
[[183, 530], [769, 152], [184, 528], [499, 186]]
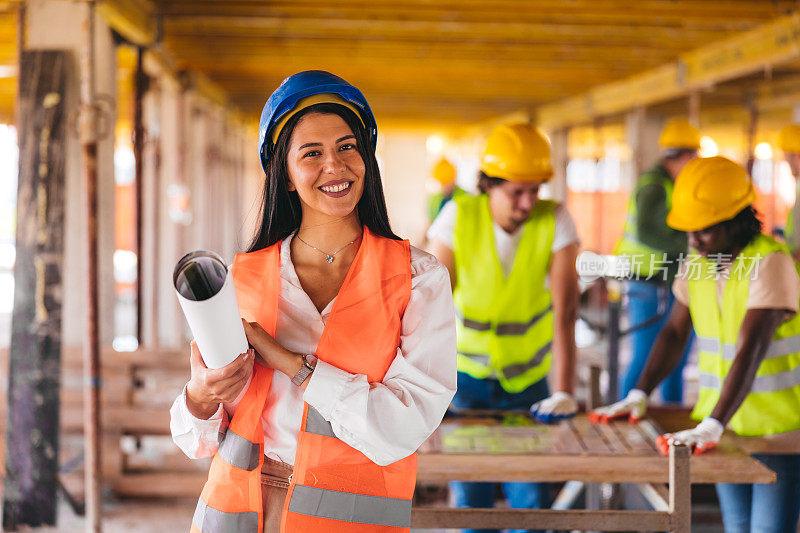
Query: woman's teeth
[[336, 188]]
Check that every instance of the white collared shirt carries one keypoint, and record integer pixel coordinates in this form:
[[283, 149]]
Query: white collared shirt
[[385, 421]]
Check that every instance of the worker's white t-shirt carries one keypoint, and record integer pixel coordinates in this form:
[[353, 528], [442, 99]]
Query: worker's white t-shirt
[[443, 229], [385, 421]]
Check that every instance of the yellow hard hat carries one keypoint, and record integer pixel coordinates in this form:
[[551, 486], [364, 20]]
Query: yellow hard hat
[[789, 139], [679, 133], [444, 172], [708, 191], [517, 152]]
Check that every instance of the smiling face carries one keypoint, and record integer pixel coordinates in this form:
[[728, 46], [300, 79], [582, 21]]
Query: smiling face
[[325, 167]]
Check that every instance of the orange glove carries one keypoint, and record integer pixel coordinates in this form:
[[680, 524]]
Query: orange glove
[[634, 406], [702, 438]]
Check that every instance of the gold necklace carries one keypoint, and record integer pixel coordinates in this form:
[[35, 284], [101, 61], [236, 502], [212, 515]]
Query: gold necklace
[[328, 257]]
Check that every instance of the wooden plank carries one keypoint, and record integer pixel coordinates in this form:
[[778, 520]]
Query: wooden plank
[[425, 518], [680, 490], [729, 466], [130, 420], [159, 484], [33, 428]]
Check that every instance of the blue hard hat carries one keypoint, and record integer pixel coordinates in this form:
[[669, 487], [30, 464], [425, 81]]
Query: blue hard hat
[[299, 86]]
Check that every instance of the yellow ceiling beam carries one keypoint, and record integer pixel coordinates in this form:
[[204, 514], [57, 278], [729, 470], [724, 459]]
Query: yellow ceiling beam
[[133, 19], [767, 45], [495, 10], [275, 48], [437, 31]]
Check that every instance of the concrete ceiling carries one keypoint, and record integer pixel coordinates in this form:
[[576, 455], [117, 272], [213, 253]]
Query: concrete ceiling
[[428, 61], [445, 61]]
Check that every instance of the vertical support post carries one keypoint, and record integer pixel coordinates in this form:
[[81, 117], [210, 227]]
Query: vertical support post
[[595, 397], [35, 356], [140, 83], [614, 312], [752, 127], [694, 108], [91, 365], [680, 488]]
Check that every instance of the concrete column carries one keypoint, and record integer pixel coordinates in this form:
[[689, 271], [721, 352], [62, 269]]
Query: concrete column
[[557, 187], [54, 24], [152, 203], [642, 132], [171, 325]]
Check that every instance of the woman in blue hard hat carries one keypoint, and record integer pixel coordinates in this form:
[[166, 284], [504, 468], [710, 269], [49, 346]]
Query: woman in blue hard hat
[[354, 334]]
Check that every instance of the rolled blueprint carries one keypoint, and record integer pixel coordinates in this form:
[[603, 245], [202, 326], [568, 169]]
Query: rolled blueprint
[[205, 290]]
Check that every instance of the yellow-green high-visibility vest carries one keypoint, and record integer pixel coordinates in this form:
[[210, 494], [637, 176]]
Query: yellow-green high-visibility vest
[[630, 245], [773, 404], [788, 230], [505, 324]]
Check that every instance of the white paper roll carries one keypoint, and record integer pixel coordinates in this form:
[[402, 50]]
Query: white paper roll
[[216, 325]]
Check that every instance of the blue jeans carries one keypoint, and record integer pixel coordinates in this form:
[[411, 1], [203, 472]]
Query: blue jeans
[[489, 394], [764, 508], [643, 297]]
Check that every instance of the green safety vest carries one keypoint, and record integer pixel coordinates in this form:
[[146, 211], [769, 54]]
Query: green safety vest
[[505, 324], [773, 404], [788, 230], [630, 245], [437, 201]]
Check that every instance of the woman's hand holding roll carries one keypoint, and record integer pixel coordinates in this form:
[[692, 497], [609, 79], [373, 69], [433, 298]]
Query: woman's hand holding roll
[[208, 387], [270, 353]]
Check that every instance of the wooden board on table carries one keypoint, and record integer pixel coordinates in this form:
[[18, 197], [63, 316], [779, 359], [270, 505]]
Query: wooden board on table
[[519, 435], [491, 449]]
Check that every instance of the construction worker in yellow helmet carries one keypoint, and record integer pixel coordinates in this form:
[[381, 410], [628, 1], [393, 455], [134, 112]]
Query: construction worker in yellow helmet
[[789, 143], [740, 291], [444, 174], [511, 258], [654, 248]]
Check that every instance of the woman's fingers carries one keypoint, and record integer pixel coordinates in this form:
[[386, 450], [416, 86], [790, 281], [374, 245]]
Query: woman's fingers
[[227, 388], [195, 359]]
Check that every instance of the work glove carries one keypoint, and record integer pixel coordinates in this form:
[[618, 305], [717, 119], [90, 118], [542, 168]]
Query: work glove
[[557, 407], [702, 438], [634, 406]]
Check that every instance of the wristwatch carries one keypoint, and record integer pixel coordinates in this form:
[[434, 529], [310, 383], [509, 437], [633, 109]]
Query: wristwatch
[[309, 362]]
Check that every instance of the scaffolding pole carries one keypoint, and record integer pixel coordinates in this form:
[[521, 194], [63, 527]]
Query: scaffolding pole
[[91, 363]]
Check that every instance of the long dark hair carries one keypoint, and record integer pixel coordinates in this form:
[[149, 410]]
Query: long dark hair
[[280, 212]]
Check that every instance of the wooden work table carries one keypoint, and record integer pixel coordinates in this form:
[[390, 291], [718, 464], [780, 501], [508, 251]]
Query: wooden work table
[[499, 448], [490, 449]]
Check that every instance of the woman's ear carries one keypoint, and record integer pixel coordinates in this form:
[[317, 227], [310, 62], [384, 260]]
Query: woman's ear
[[290, 186]]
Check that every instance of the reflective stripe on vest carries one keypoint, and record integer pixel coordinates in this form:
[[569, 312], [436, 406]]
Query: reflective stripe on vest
[[349, 507], [512, 371], [778, 347], [769, 383], [505, 328], [479, 358], [209, 519], [317, 425], [239, 451]]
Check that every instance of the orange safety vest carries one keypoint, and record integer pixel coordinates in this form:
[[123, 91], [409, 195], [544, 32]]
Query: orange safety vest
[[334, 487]]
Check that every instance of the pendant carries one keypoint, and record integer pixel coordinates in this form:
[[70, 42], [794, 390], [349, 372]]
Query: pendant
[[329, 259]]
